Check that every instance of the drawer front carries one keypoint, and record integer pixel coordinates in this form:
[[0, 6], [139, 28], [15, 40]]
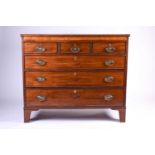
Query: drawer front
[[109, 48], [71, 62], [74, 97], [40, 48], [75, 48], [62, 79]]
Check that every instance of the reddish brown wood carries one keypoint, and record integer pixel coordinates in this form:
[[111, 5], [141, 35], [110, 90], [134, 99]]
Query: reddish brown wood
[[67, 47], [99, 47], [27, 114], [31, 47], [64, 79], [65, 38], [122, 114], [74, 62], [74, 97], [74, 80]]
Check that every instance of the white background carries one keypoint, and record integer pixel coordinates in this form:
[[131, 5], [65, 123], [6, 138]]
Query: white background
[[141, 56], [102, 135], [90, 125]]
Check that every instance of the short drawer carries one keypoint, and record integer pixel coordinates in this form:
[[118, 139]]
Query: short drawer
[[71, 62], [109, 48], [40, 48], [75, 47], [74, 97], [76, 78]]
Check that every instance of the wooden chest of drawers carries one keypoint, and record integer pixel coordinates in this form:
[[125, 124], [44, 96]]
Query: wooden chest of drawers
[[74, 71]]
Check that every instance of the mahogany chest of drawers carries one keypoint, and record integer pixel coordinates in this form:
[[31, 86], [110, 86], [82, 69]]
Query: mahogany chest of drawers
[[74, 71]]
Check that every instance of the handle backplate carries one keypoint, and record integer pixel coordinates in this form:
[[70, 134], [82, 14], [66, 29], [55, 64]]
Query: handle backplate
[[40, 49], [109, 62], [41, 98], [108, 97], [75, 49], [40, 78], [109, 79], [40, 62], [110, 48]]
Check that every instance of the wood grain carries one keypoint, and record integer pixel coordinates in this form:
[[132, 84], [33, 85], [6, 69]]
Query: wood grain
[[31, 47], [74, 80], [99, 47], [74, 97], [65, 79], [66, 38], [66, 47], [74, 62]]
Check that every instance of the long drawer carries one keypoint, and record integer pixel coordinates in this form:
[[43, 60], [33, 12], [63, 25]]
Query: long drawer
[[70, 62], [62, 79], [74, 97]]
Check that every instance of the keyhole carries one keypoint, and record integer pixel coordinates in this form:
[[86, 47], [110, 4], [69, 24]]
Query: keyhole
[[75, 73], [75, 91]]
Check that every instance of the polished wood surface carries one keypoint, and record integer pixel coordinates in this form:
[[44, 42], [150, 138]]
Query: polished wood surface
[[65, 79], [122, 114], [100, 47], [67, 47], [32, 47], [62, 38], [74, 62], [74, 97], [74, 71]]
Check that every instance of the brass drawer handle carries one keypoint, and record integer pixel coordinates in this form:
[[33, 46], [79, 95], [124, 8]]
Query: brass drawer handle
[[40, 48], [110, 49], [75, 49], [41, 98], [108, 97], [108, 78], [41, 62], [109, 62], [40, 78]]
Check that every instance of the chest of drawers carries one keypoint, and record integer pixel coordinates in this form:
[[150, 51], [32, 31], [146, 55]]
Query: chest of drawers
[[74, 71]]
